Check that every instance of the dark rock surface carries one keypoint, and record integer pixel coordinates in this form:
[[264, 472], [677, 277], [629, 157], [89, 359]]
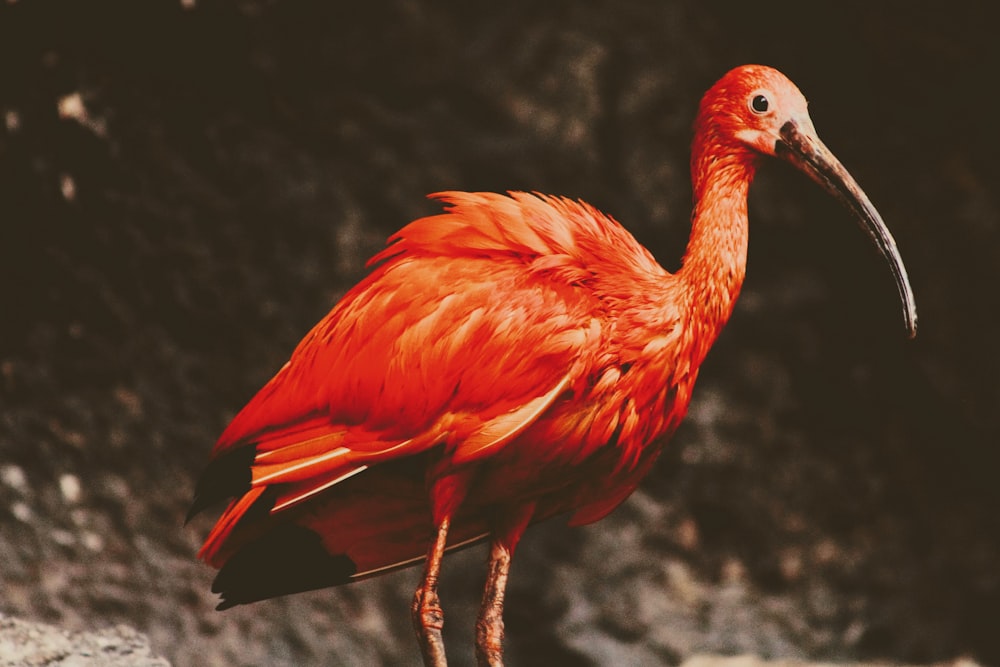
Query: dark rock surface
[[186, 187]]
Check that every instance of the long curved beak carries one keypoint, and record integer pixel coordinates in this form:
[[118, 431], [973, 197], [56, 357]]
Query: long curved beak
[[801, 147]]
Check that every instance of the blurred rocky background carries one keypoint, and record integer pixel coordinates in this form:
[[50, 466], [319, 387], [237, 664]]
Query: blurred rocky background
[[187, 186]]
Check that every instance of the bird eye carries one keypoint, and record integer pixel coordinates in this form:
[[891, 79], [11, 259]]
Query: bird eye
[[759, 103]]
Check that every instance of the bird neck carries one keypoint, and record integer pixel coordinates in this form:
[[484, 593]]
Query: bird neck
[[714, 263]]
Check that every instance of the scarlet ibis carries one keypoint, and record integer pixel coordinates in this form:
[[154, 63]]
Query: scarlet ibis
[[513, 358]]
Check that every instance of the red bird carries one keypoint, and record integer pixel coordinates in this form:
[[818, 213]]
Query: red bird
[[511, 359]]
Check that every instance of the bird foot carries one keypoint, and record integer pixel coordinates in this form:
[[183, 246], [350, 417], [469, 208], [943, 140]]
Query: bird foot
[[428, 620], [489, 625], [489, 641]]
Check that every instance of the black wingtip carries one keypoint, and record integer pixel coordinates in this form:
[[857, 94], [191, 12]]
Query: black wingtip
[[198, 505], [226, 477], [288, 559]]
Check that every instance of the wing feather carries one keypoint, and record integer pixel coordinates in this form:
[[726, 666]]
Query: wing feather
[[453, 342], [497, 432], [305, 490]]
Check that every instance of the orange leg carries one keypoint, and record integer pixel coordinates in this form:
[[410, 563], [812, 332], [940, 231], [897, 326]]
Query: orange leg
[[428, 618], [489, 625]]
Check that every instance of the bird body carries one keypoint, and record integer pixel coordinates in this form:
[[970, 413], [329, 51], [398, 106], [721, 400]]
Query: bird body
[[511, 359], [498, 341]]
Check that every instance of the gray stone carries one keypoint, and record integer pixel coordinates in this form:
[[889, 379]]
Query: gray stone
[[29, 644]]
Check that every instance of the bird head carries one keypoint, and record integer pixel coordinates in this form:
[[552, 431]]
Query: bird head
[[755, 110]]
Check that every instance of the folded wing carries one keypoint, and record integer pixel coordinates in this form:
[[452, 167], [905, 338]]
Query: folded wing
[[452, 352]]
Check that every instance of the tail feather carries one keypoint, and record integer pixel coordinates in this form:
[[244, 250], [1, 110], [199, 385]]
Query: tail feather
[[372, 523], [215, 551], [264, 569]]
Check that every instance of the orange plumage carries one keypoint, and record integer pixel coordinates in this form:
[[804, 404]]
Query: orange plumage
[[484, 335], [508, 360]]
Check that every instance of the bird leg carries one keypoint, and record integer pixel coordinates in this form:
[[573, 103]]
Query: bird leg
[[489, 625], [428, 617]]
